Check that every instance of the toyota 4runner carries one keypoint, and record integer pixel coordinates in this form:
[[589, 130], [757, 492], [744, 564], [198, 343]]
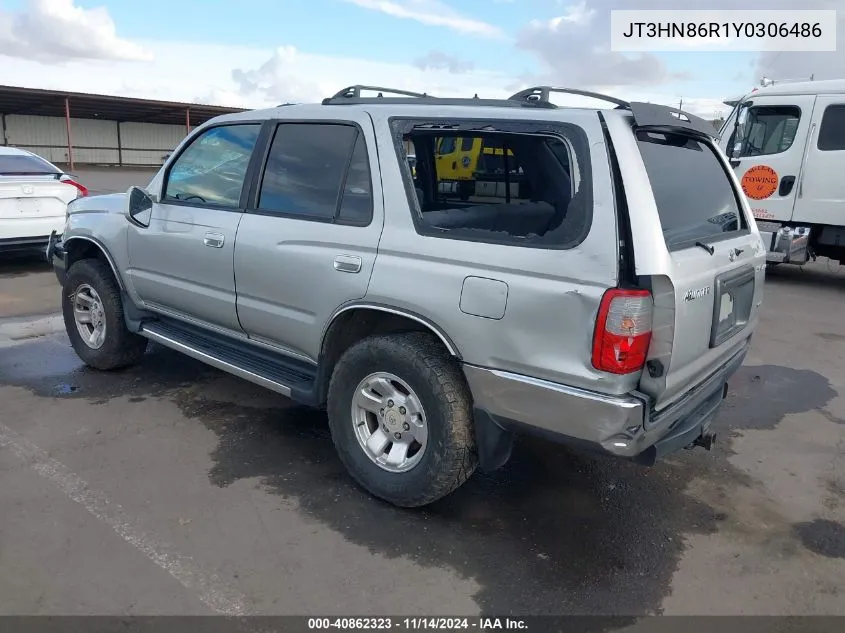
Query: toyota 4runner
[[596, 280]]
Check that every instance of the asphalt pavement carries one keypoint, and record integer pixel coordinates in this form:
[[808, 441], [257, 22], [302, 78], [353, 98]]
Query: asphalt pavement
[[172, 488]]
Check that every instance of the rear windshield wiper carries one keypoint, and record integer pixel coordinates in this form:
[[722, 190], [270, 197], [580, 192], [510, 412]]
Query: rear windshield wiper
[[706, 247]]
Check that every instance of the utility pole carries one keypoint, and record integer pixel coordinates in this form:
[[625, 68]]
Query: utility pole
[[681, 104]]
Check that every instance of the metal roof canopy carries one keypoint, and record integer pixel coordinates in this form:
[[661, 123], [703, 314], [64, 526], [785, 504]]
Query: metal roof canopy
[[32, 101]]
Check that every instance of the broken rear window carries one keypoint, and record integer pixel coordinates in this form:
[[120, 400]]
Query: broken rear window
[[521, 188]]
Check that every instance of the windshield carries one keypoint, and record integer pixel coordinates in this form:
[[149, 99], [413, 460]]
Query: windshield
[[767, 130]]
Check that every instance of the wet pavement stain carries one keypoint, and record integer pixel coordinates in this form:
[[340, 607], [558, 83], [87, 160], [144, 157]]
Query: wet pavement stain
[[554, 532], [831, 336], [822, 537], [49, 367], [760, 396]]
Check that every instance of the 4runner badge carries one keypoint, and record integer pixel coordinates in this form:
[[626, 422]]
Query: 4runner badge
[[692, 295]]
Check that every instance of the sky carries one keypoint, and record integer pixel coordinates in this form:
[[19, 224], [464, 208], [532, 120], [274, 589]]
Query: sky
[[256, 53]]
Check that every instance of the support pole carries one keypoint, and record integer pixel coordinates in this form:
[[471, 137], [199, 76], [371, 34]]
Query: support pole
[[119, 146], [67, 126], [187, 121]]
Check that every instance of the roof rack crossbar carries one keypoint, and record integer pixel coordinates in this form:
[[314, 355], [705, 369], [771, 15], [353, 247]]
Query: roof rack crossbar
[[354, 92], [438, 101], [542, 93]]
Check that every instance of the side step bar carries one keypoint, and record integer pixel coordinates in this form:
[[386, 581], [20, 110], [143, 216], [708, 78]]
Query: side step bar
[[286, 376]]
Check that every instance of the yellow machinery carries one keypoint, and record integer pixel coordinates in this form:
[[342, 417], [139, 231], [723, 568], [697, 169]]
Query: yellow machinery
[[459, 163]]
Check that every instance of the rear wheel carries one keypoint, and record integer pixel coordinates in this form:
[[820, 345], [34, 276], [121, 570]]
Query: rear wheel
[[401, 418], [93, 315]]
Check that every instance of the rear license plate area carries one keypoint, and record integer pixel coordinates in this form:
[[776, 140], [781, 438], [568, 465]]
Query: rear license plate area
[[732, 304], [29, 206]]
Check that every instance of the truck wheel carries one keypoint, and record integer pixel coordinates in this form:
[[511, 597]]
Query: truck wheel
[[93, 315], [400, 415]]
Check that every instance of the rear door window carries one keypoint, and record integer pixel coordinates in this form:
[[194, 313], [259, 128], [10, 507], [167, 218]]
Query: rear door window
[[695, 198], [318, 171]]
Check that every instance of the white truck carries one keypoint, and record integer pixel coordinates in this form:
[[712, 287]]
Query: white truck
[[786, 143]]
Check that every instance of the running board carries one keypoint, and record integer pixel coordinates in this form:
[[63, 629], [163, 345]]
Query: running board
[[289, 377]]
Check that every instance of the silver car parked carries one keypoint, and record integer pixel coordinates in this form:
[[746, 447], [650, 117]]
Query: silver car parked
[[597, 280]]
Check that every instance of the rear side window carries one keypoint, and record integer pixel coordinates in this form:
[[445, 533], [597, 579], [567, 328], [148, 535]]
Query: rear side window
[[695, 198], [318, 171], [25, 165], [513, 186], [832, 130]]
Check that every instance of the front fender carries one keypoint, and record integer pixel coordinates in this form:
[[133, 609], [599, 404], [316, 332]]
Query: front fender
[[99, 222]]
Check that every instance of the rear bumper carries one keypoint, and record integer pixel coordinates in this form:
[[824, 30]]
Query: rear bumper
[[23, 243], [624, 426], [29, 228], [788, 245]]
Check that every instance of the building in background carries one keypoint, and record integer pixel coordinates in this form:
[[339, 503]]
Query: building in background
[[77, 129]]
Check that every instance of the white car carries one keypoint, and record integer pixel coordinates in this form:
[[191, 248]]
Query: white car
[[34, 195]]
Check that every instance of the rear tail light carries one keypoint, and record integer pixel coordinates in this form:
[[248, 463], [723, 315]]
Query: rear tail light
[[623, 331], [83, 190]]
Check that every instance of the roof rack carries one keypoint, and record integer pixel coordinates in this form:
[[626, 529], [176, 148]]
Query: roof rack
[[649, 116], [542, 93], [354, 92], [646, 115], [352, 95]]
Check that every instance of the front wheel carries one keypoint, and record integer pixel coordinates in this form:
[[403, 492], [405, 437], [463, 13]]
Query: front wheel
[[93, 315], [400, 416]]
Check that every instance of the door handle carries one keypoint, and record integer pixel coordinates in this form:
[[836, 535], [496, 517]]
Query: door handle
[[214, 240], [786, 184], [734, 163], [347, 264]]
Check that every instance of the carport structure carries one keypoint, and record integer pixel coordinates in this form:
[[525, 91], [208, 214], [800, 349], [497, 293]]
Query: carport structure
[[73, 127]]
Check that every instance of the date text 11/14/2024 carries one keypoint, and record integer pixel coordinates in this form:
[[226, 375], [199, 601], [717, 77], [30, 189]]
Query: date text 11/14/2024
[[418, 623]]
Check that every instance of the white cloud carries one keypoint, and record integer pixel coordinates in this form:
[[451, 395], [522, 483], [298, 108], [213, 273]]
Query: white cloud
[[438, 60], [802, 65], [432, 13], [256, 77], [575, 46], [57, 30]]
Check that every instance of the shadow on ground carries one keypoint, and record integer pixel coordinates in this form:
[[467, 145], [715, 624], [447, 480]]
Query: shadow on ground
[[23, 263], [554, 532], [824, 273]]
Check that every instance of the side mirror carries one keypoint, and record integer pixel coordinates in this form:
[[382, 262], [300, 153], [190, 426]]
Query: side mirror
[[139, 206]]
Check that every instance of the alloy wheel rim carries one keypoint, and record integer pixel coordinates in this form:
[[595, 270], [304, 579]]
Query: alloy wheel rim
[[389, 422]]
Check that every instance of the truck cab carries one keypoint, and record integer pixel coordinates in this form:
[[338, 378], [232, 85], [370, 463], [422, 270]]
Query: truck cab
[[786, 144]]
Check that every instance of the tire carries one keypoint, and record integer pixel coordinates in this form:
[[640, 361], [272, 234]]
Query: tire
[[119, 347], [419, 360]]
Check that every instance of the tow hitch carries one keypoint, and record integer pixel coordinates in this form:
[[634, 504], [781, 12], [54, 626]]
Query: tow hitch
[[706, 440]]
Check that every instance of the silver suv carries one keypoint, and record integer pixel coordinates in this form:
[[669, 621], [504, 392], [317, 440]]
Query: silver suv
[[594, 275]]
